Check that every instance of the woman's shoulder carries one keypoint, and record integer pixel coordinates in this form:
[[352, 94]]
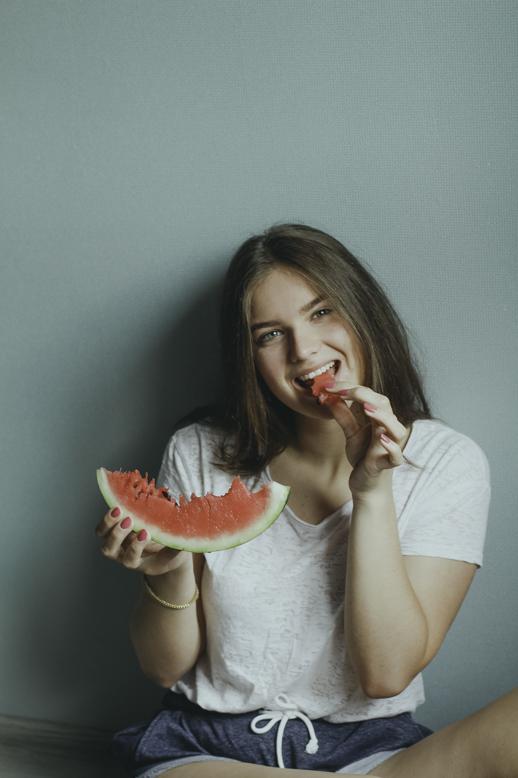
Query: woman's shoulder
[[201, 426], [189, 464], [434, 440]]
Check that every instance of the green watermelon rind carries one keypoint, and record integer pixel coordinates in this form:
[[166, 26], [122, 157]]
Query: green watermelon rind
[[279, 494]]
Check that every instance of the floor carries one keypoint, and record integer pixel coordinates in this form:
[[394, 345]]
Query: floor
[[35, 749]]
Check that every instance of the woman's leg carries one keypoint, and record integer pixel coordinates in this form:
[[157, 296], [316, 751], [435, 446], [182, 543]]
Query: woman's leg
[[484, 745], [223, 769]]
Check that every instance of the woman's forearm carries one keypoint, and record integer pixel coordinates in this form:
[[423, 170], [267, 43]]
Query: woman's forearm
[[386, 630], [168, 642]]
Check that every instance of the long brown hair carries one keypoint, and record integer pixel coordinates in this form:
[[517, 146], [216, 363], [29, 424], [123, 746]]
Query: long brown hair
[[259, 426]]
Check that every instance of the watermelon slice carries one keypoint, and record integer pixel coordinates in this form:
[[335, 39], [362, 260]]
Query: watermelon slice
[[209, 523], [319, 386]]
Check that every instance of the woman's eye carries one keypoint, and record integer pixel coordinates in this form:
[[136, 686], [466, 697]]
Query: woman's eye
[[322, 312], [268, 336]]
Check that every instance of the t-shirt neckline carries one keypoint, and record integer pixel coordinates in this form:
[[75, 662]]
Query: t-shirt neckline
[[339, 511], [343, 508]]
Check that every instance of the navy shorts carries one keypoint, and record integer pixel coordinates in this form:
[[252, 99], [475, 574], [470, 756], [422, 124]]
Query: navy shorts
[[183, 733]]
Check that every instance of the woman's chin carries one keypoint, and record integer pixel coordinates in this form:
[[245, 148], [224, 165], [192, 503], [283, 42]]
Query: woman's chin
[[313, 409]]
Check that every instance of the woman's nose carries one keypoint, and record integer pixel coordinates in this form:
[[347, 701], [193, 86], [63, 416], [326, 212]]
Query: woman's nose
[[301, 346]]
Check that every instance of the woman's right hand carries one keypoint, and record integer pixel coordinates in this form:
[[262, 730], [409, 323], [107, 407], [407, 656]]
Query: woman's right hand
[[136, 551]]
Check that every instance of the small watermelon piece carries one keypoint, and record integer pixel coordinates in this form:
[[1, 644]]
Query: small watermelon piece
[[320, 384], [200, 524]]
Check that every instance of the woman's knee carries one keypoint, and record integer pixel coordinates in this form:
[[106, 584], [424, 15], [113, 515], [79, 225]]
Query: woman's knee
[[494, 731]]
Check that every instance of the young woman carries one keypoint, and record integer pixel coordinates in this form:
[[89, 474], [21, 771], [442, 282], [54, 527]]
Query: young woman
[[303, 649]]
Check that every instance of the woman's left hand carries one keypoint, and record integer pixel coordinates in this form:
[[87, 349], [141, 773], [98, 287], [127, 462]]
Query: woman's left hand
[[373, 434]]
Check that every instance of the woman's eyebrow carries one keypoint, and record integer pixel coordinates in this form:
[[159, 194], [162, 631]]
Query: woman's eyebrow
[[304, 309]]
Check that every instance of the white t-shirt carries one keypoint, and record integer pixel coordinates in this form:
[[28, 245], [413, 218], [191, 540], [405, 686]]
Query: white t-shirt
[[274, 606]]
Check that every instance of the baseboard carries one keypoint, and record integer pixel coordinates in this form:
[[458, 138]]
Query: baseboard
[[53, 737]]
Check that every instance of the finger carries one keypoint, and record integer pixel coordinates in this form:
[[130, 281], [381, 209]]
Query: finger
[[395, 455], [108, 521], [339, 389], [131, 554], [150, 546], [154, 547], [146, 555], [115, 538], [355, 410], [395, 429], [362, 394], [345, 417]]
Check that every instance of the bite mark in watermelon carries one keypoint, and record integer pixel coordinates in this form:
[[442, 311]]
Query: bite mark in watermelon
[[320, 384], [200, 524]]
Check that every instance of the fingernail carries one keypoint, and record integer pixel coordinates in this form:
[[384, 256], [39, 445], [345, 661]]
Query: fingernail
[[369, 407], [115, 512], [125, 523], [385, 438], [142, 535], [343, 392]]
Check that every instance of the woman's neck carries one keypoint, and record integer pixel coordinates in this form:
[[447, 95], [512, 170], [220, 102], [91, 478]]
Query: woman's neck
[[319, 441]]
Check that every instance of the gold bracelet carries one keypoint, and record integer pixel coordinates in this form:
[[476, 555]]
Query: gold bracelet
[[166, 604]]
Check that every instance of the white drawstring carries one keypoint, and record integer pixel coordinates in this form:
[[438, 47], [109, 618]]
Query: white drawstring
[[288, 710]]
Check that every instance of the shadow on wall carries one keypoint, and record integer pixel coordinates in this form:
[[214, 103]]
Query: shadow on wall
[[75, 645]]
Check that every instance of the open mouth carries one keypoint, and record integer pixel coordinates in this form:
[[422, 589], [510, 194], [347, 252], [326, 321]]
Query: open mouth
[[306, 380]]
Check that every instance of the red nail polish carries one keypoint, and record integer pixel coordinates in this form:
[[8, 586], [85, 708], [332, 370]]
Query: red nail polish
[[115, 512], [142, 535], [369, 407], [125, 523]]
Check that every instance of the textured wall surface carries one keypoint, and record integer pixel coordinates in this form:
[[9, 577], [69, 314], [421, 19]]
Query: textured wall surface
[[141, 143]]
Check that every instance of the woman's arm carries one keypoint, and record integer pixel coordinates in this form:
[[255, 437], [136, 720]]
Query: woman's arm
[[168, 642], [398, 609]]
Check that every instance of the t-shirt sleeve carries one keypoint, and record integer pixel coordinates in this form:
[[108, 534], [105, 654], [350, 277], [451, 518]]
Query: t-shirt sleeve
[[448, 517], [178, 472]]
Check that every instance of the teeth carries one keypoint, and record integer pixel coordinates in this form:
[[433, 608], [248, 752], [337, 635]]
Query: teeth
[[314, 373]]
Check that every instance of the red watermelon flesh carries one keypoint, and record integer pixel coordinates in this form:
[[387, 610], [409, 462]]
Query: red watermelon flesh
[[208, 523], [320, 384]]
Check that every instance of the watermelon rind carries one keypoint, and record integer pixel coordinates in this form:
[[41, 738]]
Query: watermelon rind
[[278, 498]]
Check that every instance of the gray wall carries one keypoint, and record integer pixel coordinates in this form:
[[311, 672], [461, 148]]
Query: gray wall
[[142, 142]]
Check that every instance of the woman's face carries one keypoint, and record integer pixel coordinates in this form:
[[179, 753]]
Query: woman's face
[[295, 332]]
